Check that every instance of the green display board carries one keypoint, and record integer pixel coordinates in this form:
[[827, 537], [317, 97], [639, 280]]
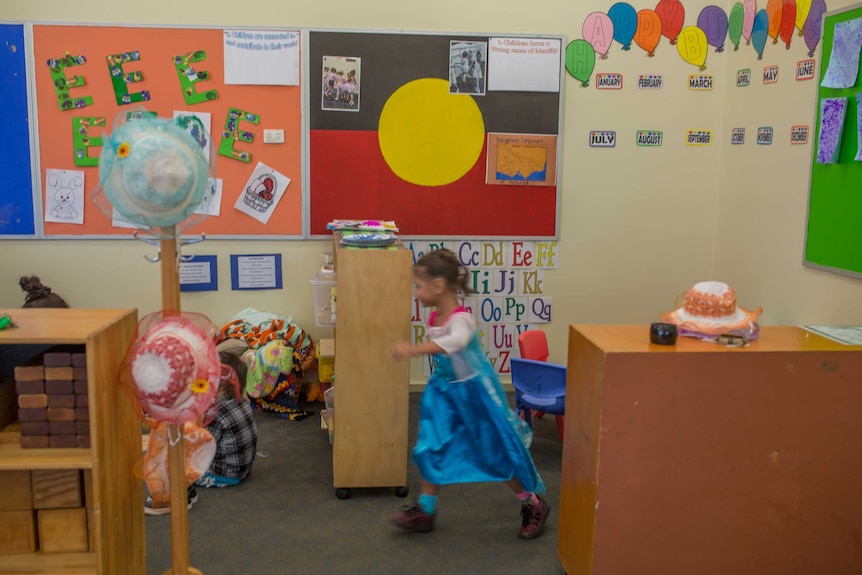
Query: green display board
[[833, 239]]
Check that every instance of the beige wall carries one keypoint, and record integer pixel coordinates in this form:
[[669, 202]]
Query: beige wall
[[638, 226]]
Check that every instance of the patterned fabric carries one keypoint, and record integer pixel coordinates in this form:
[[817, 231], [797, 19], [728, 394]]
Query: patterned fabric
[[265, 365], [235, 433], [282, 401]]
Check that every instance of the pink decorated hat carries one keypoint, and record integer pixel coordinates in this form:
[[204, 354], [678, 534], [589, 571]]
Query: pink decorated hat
[[176, 368], [710, 309]]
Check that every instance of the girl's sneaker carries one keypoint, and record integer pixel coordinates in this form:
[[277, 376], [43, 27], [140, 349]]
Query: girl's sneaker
[[533, 516], [153, 508], [412, 518]]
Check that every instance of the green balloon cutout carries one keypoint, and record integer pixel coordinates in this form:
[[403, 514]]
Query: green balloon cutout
[[734, 24], [580, 60]]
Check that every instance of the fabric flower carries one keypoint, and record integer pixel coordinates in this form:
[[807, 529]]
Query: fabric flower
[[123, 149], [200, 386]]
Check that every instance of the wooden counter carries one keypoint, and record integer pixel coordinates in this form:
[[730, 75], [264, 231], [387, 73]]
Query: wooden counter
[[697, 458]]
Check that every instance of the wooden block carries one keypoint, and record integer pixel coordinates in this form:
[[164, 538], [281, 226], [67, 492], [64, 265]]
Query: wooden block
[[79, 359], [82, 414], [56, 488], [33, 400], [11, 434], [61, 414], [15, 494], [17, 532], [80, 387], [57, 359], [82, 400], [82, 441], [82, 428], [62, 427], [62, 530], [35, 386], [34, 428], [33, 414], [61, 400], [91, 527], [63, 441], [327, 347], [29, 373], [59, 373], [34, 441], [59, 386], [79, 374]]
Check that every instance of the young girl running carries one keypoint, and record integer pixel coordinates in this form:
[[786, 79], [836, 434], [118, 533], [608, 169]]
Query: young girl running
[[467, 431]]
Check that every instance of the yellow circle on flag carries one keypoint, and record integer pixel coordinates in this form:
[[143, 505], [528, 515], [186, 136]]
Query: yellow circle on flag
[[428, 136]]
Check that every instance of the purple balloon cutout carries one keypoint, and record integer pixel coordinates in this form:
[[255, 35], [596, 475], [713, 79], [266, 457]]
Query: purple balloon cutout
[[713, 21], [813, 27]]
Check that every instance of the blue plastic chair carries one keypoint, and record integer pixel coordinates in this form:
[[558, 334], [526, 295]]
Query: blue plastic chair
[[541, 386]]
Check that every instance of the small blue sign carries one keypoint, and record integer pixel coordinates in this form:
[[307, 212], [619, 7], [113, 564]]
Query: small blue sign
[[255, 271], [200, 273]]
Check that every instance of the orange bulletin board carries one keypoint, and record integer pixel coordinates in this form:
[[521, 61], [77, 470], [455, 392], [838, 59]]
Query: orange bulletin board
[[278, 107]]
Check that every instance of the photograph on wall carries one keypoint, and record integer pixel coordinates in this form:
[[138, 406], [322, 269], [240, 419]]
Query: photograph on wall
[[340, 83], [522, 159], [467, 67]]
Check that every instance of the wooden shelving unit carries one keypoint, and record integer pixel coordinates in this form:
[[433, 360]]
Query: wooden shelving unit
[[374, 291], [118, 532]]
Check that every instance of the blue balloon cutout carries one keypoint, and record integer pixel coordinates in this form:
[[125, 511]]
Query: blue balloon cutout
[[759, 31], [625, 21]]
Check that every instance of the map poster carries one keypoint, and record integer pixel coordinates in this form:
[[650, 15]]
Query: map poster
[[522, 159]]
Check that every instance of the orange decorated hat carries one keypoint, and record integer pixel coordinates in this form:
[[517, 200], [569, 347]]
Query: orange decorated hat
[[710, 309]]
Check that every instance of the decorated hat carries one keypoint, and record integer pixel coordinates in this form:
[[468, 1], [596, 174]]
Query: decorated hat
[[151, 171], [175, 368], [710, 309]]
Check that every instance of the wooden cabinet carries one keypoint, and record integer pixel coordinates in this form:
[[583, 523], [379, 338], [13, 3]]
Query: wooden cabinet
[[374, 294], [115, 513], [697, 458]]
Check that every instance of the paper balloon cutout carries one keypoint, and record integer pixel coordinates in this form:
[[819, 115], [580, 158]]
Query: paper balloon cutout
[[773, 11], [813, 27], [734, 24], [152, 172], [598, 30], [759, 32], [749, 10], [648, 33], [625, 21], [580, 60], [672, 16], [802, 9], [788, 22], [692, 46], [713, 21]]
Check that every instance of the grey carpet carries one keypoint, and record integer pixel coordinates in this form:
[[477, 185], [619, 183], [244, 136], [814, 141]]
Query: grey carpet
[[286, 519]]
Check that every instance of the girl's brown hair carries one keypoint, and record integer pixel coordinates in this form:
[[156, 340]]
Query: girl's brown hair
[[443, 263], [39, 295]]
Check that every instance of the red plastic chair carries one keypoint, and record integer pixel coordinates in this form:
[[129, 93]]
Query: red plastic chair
[[533, 344]]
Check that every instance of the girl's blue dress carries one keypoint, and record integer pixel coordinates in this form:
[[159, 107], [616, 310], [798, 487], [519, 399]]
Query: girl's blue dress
[[467, 431]]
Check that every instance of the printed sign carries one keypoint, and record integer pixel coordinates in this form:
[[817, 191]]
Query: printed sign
[[698, 138], [798, 135], [805, 70], [650, 81], [609, 81], [700, 81], [737, 136], [603, 139], [764, 136], [743, 77], [770, 74], [649, 138]]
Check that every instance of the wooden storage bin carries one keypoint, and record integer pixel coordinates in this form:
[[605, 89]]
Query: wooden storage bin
[[107, 536]]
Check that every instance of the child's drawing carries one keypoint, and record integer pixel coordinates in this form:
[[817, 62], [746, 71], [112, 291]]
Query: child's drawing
[[64, 196], [211, 202]]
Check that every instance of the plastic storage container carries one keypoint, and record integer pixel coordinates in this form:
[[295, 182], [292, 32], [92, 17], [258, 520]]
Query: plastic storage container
[[329, 399], [325, 360], [323, 313]]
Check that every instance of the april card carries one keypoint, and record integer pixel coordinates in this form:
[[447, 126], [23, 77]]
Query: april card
[[64, 196], [262, 192]]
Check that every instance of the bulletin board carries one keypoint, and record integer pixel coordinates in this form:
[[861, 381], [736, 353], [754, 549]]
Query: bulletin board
[[355, 170], [16, 202], [833, 238], [149, 57]]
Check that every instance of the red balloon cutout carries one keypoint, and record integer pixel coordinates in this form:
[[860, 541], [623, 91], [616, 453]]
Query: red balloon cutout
[[788, 22], [672, 15]]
